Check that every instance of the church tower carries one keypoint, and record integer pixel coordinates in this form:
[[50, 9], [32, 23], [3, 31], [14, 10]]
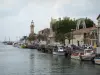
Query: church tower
[[32, 27]]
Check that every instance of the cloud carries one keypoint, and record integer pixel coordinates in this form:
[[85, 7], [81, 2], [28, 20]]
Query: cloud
[[11, 7], [81, 8], [16, 15]]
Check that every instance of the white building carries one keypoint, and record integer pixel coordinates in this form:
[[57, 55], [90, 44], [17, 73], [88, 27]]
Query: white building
[[98, 48], [51, 38], [98, 18]]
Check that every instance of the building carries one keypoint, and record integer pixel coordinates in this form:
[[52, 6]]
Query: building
[[84, 35], [45, 31], [43, 36], [98, 18], [98, 26], [51, 37]]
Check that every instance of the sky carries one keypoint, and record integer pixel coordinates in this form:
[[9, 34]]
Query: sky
[[16, 15]]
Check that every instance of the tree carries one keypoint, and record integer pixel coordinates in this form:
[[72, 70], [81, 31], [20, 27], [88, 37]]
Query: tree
[[23, 38], [68, 36], [89, 22], [60, 38], [61, 27], [42, 37], [31, 38]]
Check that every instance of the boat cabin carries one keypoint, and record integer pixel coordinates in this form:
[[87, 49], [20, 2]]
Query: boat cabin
[[88, 51], [58, 48], [97, 56]]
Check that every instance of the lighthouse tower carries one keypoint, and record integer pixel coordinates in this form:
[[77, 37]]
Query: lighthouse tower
[[32, 27]]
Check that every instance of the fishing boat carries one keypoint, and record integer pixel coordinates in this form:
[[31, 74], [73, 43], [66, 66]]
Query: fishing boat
[[86, 54], [76, 55], [15, 44], [97, 59], [89, 54], [58, 50]]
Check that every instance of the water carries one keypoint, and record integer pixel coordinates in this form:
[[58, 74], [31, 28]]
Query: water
[[15, 61]]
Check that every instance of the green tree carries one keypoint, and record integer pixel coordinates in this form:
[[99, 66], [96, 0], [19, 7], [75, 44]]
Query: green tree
[[89, 22], [68, 36], [31, 38], [42, 37], [23, 38], [61, 27]]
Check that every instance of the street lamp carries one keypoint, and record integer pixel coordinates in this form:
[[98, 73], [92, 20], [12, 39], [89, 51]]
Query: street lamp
[[72, 34]]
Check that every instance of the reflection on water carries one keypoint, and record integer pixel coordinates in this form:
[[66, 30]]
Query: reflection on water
[[15, 61]]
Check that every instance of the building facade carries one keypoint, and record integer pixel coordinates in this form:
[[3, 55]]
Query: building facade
[[51, 38], [98, 18], [83, 36]]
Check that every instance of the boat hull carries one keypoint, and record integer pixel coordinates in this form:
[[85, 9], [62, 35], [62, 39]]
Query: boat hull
[[97, 61], [75, 57], [87, 58], [58, 53]]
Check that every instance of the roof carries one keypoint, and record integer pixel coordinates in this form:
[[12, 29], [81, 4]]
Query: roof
[[98, 17], [85, 30]]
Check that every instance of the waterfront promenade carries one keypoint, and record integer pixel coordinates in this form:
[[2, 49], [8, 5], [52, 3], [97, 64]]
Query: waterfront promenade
[[16, 61]]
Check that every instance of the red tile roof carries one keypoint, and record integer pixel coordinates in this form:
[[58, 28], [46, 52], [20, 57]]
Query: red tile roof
[[85, 30]]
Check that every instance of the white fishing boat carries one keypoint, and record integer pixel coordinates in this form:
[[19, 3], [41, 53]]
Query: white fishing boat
[[76, 55], [58, 51], [97, 59], [86, 54], [89, 54]]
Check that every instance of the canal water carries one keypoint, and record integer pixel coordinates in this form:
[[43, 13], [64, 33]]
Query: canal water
[[15, 61]]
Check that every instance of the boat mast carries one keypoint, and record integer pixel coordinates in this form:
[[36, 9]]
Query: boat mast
[[9, 39], [5, 38]]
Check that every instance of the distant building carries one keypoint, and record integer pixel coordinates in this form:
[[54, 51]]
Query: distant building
[[45, 31], [43, 36], [51, 37]]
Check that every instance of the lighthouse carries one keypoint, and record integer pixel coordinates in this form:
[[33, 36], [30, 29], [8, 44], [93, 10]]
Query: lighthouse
[[32, 27]]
